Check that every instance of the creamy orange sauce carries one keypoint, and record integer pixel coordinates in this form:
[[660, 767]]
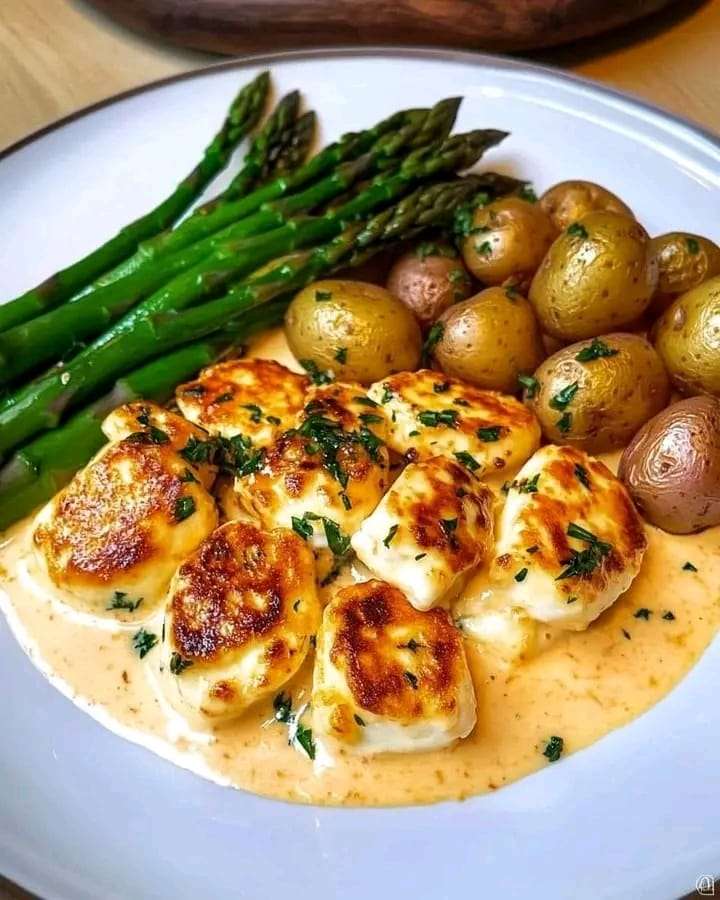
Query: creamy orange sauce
[[581, 686]]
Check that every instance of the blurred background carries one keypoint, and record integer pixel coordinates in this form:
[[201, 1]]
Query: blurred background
[[57, 56]]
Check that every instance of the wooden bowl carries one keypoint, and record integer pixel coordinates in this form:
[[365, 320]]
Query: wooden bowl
[[242, 26]]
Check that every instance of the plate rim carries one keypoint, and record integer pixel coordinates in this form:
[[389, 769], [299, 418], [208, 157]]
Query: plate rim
[[496, 60]]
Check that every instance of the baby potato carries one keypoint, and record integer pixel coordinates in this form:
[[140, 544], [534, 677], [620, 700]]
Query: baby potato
[[490, 339], [599, 275], [569, 201], [672, 466], [428, 280], [357, 331], [687, 337], [596, 394], [684, 261], [507, 241]]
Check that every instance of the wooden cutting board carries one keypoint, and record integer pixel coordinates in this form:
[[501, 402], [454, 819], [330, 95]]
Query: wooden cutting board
[[243, 26]]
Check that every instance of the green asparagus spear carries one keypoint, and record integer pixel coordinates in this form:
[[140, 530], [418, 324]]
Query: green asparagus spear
[[242, 116], [37, 471], [42, 403], [44, 338], [281, 138]]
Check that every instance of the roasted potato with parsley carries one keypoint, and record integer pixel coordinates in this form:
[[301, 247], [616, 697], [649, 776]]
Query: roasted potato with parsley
[[490, 339], [596, 394], [684, 261], [356, 331], [568, 201], [428, 280], [598, 276], [507, 241], [687, 337]]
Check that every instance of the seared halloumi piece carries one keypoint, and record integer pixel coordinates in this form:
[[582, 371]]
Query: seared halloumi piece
[[122, 525], [388, 678], [431, 414], [333, 465], [241, 612], [569, 540], [255, 397], [432, 527]]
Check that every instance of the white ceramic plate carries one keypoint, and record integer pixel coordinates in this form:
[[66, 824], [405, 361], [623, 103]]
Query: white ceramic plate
[[84, 814]]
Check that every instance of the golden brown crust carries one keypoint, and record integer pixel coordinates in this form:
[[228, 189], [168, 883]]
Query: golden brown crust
[[239, 587], [546, 517], [238, 395], [111, 517], [397, 662]]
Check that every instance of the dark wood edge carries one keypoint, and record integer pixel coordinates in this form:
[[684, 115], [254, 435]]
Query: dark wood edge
[[435, 53]]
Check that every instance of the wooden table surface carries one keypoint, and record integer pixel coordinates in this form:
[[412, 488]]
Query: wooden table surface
[[59, 55]]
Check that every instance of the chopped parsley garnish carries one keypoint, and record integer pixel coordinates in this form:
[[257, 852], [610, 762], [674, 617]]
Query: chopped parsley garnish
[[669, 616], [564, 423], [596, 350], [626, 634], [533, 549], [346, 502], [412, 645], [282, 704], [152, 436], [582, 563], [489, 434], [298, 734], [178, 664], [317, 375], [642, 613], [484, 249], [441, 387], [411, 680], [521, 575], [238, 457], [689, 567], [365, 401], [390, 535], [528, 485], [577, 230], [255, 412], [434, 337], [448, 528], [563, 398], [184, 508], [273, 420], [323, 296], [121, 600], [143, 642], [692, 245], [554, 748], [337, 540], [224, 398], [387, 394], [467, 460], [195, 390], [302, 526], [581, 473], [304, 737], [370, 418], [420, 556], [144, 417], [463, 220], [197, 451], [358, 720], [187, 477], [341, 355], [511, 292], [432, 418], [457, 276], [531, 385], [461, 402], [527, 193]]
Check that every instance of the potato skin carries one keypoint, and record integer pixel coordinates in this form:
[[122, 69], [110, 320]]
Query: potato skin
[[687, 337], [509, 238], [490, 339], [568, 201], [684, 261], [615, 394], [599, 275], [672, 466], [428, 280], [378, 333]]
